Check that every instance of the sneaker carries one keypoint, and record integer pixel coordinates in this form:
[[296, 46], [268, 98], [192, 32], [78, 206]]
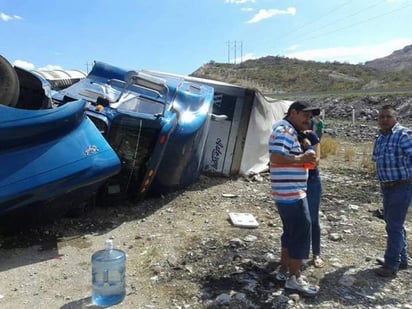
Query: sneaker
[[300, 286], [281, 275]]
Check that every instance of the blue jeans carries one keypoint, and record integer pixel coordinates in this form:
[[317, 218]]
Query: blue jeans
[[314, 193], [296, 228], [396, 201]]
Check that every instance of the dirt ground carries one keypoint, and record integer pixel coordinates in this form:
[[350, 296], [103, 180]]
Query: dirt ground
[[183, 252]]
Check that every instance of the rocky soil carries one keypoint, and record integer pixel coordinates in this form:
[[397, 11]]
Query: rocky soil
[[359, 114], [183, 252]]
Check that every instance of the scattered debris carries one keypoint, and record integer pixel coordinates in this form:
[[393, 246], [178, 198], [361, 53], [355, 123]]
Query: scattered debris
[[243, 220]]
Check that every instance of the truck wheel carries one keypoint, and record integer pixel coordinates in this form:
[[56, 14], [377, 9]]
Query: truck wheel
[[9, 84]]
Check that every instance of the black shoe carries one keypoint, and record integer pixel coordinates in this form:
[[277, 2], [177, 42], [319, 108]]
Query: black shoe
[[402, 266], [385, 272]]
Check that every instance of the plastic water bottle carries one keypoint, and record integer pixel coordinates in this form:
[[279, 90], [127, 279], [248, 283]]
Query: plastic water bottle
[[309, 166], [108, 275]]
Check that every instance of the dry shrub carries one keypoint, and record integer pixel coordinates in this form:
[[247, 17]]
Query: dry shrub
[[328, 146], [149, 257], [366, 159], [349, 154]]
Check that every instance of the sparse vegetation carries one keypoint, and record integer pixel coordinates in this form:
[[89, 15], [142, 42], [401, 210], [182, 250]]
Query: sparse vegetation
[[366, 161], [149, 257], [328, 146], [280, 76], [349, 153]]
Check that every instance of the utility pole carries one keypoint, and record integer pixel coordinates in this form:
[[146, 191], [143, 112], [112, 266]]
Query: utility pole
[[235, 45], [241, 51], [228, 51]]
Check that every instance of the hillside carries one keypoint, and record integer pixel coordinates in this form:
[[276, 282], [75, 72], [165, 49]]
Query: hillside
[[397, 61], [280, 75]]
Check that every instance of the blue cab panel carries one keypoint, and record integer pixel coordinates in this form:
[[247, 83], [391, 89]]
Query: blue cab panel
[[47, 153], [157, 126]]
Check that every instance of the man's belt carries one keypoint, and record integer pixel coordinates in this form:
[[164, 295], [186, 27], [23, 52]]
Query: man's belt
[[390, 184]]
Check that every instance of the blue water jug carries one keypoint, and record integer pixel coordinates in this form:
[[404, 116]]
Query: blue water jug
[[108, 275]]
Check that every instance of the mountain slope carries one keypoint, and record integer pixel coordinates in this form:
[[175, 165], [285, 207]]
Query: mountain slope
[[276, 75], [397, 61]]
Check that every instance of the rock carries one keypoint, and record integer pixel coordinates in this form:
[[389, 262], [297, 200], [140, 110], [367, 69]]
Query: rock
[[223, 299], [353, 207], [335, 236], [236, 242], [250, 238], [229, 195]]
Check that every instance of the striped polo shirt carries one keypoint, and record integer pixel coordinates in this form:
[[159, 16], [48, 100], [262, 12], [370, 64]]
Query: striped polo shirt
[[393, 154], [288, 182]]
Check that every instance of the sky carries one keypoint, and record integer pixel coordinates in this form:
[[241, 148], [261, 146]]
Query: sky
[[179, 36]]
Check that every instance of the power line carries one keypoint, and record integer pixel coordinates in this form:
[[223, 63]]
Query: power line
[[340, 19], [355, 24], [316, 20]]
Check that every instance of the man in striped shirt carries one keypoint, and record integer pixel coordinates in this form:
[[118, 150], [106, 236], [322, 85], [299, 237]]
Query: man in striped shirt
[[392, 154], [288, 183]]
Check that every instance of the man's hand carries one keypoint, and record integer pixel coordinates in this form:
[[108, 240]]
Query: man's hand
[[307, 157]]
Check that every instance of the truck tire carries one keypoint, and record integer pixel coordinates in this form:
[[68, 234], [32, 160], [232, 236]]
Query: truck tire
[[9, 84]]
